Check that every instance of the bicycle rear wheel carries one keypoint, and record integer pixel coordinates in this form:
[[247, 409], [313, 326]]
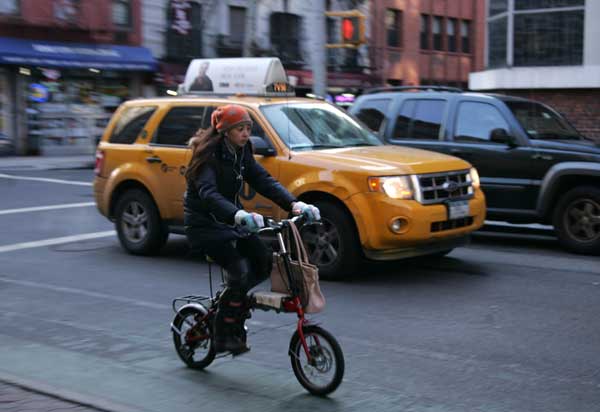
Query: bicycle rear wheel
[[324, 373], [192, 336]]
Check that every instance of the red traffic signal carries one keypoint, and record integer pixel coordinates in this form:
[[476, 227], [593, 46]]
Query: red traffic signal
[[352, 30]]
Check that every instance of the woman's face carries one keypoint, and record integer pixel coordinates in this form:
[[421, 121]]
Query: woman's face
[[239, 135]]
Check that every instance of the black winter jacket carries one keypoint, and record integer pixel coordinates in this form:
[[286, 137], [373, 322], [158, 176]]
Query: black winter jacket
[[212, 199]]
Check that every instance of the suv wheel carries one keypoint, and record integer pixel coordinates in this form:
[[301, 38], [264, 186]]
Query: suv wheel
[[333, 245], [138, 223], [577, 220]]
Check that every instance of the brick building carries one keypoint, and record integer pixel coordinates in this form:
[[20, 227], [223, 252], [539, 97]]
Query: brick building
[[545, 50], [65, 65], [427, 41]]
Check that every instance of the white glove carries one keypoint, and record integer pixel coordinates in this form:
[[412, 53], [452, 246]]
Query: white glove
[[251, 221], [310, 212]]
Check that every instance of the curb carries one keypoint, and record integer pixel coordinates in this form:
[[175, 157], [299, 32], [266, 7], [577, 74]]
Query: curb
[[79, 399]]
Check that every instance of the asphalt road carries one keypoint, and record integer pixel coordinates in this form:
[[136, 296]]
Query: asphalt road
[[508, 323]]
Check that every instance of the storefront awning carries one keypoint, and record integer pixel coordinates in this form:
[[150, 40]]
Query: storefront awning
[[75, 55]]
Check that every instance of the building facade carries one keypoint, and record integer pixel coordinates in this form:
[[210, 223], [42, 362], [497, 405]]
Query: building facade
[[179, 30], [65, 65], [546, 50], [418, 42]]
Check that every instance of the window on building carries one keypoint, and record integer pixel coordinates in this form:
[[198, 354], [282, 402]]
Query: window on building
[[121, 13], [549, 39], [66, 11], [237, 25], [11, 7], [130, 124], [393, 24], [184, 31], [420, 119], [465, 34], [372, 113], [497, 7], [497, 42], [451, 28], [475, 122], [546, 4], [178, 126], [437, 33], [285, 38], [425, 32]]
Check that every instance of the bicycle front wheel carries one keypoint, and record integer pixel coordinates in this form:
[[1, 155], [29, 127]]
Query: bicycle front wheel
[[192, 337], [325, 370]]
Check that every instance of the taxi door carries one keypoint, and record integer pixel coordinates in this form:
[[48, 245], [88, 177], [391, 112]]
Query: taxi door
[[168, 157]]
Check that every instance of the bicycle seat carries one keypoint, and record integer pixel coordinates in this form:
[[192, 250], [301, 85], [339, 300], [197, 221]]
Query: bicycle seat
[[272, 300]]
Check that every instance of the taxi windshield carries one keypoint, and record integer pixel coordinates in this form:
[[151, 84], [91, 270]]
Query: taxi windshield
[[310, 126]]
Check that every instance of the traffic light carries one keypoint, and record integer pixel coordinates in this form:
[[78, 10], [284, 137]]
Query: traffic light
[[350, 30]]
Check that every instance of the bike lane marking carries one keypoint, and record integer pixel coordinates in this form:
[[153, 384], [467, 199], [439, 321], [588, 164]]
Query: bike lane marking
[[56, 241], [45, 179], [42, 208]]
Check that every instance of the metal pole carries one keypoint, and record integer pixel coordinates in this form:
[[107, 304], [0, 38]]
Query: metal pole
[[318, 49]]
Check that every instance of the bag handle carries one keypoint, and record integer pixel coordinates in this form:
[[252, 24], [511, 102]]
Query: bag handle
[[300, 249]]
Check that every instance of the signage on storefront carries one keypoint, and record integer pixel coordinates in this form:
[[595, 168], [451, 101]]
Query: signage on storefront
[[38, 93], [181, 22]]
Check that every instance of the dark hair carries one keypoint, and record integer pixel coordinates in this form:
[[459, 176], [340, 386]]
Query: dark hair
[[203, 145]]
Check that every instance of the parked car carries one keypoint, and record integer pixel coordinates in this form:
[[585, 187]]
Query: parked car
[[534, 166], [383, 202]]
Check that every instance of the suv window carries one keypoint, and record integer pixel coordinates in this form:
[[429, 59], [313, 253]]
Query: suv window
[[475, 121], [130, 124], [372, 113], [179, 125], [420, 119]]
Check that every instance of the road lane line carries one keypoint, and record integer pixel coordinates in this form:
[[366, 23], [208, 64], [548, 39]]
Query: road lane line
[[42, 208], [56, 241], [45, 179]]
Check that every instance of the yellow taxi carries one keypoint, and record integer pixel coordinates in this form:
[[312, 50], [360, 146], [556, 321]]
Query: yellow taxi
[[377, 201]]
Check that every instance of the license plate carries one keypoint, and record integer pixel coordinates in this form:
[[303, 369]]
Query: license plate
[[458, 209]]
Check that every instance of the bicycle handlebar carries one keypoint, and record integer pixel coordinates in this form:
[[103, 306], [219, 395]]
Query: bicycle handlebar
[[272, 225]]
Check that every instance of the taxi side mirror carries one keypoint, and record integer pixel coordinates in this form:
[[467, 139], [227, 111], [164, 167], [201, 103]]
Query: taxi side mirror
[[261, 146]]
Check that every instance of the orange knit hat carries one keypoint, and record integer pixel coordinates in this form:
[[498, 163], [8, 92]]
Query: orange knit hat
[[229, 116]]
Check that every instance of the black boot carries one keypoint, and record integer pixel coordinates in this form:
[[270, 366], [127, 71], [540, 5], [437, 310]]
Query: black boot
[[228, 336]]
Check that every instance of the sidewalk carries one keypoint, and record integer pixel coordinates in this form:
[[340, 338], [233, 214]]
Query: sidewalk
[[46, 162]]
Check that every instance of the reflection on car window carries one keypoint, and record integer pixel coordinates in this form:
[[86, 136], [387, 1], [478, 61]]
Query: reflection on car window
[[475, 122], [541, 122], [315, 126], [179, 125], [420, 119], [130, 124], [372, 113]]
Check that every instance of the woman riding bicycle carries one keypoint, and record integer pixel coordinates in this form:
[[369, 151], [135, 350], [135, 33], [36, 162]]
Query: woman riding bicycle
[[216, 223]]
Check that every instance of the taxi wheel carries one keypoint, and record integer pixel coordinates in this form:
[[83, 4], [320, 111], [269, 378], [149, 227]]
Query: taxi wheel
[[138, 223], [577, 220], [333, 245]]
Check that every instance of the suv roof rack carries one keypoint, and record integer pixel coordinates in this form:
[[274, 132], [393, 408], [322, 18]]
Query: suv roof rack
[[405, 88]]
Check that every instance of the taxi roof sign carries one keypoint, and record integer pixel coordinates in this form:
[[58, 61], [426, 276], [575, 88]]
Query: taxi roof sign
[[253, 76]]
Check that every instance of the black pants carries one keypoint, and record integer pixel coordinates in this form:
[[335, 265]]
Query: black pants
[[247, 261]]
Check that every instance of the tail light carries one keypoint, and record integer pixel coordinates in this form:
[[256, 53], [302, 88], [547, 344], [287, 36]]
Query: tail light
[[99, 162]]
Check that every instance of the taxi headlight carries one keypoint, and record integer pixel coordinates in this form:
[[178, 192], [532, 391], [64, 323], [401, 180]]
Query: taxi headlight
[[396, 187], [474, 175]]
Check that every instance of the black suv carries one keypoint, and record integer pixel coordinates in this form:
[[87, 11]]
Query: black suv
[[534, 166]]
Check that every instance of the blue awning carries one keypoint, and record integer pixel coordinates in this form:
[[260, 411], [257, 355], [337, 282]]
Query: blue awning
[[75, 55]]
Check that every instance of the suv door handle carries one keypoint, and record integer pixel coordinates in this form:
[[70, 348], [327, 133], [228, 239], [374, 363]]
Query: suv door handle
[[153, 159], [539, 156]]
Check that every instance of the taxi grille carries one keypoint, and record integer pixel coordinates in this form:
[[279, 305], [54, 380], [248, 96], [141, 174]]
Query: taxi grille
[[451, 224], [439, 187]]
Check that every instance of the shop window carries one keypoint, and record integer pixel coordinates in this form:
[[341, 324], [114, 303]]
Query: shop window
[[121, 14], [546, 4], [451, 34], [497, 7], [393, 24], [10, 7], [549, 39], [184, 31], [475, 122], [372, 113], [438, 22], [420, 119], [179, 125], [465, 34], [425, 32], [285, 38], [130, 124], [497, 31]]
